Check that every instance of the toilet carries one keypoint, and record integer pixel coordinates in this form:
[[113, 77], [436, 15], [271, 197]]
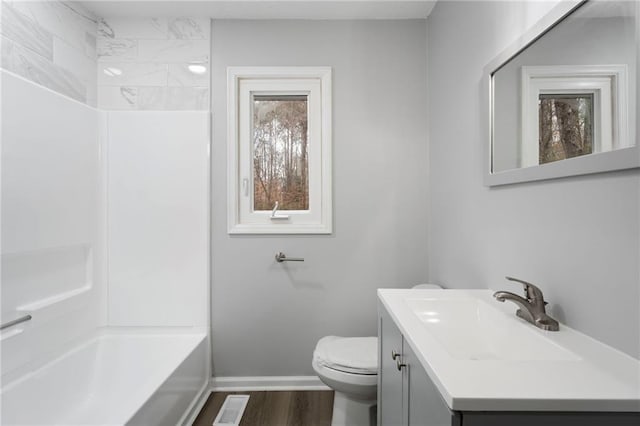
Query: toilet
[[349, 366]]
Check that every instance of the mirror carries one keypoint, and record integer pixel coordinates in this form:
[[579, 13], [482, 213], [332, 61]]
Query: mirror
[[563, 99]]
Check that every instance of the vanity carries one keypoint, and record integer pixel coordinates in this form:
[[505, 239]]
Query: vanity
[[461, 358]]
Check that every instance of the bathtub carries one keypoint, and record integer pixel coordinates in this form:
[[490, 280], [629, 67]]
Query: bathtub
[[118, 376]]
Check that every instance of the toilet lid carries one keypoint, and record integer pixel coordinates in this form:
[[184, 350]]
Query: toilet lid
[[356, 355]]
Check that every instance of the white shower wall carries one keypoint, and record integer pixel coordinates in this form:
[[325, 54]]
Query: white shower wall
[[158, 219], [57, 176], [52, 218], [66, 166], [156, 125]]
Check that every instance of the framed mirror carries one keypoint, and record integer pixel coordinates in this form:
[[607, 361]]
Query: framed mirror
[[562, 100]]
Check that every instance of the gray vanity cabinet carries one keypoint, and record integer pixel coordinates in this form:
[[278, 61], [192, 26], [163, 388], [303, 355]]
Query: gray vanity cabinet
[[406, 395], [425, 405], [390, 380]]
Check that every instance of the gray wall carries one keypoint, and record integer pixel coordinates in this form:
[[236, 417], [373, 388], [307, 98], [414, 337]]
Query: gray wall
[[267, 317], [578, 238]]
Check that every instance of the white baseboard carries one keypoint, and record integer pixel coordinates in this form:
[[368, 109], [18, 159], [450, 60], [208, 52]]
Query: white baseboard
[[196, 405], [267, 383]]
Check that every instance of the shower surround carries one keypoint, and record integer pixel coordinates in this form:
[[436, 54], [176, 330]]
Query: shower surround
[[105, 220]]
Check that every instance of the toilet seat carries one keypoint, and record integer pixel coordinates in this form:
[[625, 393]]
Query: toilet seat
[[352, 355], [334, 377]]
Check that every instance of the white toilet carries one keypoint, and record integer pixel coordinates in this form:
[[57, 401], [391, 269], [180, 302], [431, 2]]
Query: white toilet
[[349, 366]]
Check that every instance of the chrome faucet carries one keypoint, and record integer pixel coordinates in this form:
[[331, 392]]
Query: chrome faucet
[[531, 305]]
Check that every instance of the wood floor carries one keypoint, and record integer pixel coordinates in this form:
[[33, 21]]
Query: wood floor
[[275, 408]]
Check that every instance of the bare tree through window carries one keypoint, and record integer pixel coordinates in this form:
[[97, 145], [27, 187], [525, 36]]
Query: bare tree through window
[[280, 152], [566, 126]]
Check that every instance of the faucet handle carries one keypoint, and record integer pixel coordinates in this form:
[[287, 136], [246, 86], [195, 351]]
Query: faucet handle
[[531, 291]]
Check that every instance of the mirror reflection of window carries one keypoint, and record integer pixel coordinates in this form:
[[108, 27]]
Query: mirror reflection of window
[[566, 126]]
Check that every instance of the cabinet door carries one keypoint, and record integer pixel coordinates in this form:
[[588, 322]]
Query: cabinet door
[[390, 410], [425, 404]]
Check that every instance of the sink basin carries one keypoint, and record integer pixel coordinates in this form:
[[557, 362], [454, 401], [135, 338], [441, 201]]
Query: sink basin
[[471, 329]]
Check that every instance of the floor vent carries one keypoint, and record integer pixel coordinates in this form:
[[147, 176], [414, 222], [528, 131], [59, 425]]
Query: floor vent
[[231, 411]]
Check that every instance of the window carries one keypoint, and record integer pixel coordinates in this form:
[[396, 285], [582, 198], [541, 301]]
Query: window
[[280, 152], [571, 111], [279, 147]]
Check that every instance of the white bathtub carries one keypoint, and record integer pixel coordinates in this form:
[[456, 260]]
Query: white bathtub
[[132, 376]]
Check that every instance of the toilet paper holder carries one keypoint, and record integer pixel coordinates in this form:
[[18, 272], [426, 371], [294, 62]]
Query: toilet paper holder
[[281, 257]]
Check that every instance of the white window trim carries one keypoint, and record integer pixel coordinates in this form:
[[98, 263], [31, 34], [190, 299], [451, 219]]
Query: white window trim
[[240, 217], [608, 84]]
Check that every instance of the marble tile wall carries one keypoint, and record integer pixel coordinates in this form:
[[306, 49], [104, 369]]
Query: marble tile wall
[[153, 63], [52, 43]]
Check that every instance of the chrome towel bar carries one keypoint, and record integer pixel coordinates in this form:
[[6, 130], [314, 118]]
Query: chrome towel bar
[[15, 322]]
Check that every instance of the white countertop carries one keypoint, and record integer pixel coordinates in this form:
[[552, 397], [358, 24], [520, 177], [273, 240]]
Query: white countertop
[[595, 377]]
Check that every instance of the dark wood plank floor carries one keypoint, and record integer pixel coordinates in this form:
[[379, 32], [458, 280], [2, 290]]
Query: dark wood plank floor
[[275, 408]]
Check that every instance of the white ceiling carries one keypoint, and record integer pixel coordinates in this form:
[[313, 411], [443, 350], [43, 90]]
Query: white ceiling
[[265, 9]]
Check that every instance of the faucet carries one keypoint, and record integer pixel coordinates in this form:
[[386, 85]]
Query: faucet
[[531, 306]]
